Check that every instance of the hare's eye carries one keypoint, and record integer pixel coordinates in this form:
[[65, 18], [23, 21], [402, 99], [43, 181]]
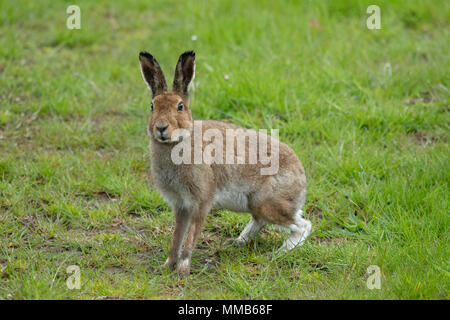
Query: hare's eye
[[152, 106], [180, 106]]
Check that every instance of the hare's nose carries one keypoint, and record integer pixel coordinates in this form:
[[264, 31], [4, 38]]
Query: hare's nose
[[161, 129]]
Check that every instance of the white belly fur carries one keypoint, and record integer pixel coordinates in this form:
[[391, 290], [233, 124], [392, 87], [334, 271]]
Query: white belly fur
[[233, 200]]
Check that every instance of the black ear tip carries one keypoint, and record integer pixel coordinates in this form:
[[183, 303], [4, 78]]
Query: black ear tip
[[146, 55], [186, 54]]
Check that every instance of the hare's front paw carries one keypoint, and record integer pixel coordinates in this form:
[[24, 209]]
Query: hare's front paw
[[169, 264], [240, 242], [184, 268]]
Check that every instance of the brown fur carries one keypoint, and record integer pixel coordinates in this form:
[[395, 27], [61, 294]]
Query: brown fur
[[193, 189]]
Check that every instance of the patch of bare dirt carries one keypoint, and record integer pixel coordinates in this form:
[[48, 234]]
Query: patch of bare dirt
[[424, 139], [104, 196]]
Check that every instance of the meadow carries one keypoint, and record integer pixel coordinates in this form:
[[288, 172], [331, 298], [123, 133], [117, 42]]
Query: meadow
[[367, 112]]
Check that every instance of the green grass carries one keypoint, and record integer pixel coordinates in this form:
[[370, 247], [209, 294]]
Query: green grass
[[74, 168]]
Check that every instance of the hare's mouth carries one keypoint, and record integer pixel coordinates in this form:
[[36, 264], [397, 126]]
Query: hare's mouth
[[168, 140], [164, 140], [175, 137]]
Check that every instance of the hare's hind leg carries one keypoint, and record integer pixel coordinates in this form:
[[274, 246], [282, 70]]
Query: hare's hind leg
[[288, 214], [300, 229], [250, 231]]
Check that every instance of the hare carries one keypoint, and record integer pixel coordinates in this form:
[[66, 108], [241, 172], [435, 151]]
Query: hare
[[193, 189]]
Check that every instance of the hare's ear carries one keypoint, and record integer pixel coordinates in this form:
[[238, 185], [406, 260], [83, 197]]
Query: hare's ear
[[184, 73], [152, 73]]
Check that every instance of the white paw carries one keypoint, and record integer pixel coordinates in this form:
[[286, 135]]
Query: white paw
[[239, 242], [184, 267]]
